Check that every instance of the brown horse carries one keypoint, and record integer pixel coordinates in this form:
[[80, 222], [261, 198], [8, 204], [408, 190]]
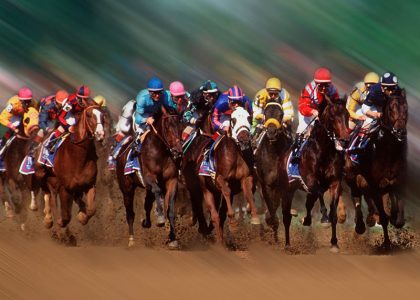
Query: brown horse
[[75, 169], [21, 187], [234, 172], [321, 164], [159, 160], [275, 142], [381, 171]]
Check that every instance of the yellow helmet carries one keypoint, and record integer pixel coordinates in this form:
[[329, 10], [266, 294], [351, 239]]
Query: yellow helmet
[[371, 77], [100, 100], [273, 84]]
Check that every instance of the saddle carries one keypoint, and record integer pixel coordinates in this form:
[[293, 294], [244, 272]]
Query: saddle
[[207, 167]]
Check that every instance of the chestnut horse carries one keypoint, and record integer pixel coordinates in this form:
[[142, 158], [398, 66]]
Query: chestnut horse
[[21, 186], [274, 144], [75, 169], [234, 172], [159, 160], [321, 165], [382, 166]]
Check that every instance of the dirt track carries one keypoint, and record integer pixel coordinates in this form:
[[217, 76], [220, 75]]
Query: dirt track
[[33, 266]]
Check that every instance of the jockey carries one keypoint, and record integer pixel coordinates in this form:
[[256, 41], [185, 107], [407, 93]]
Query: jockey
[[179, 98], [201, 103], [312, 99], [68, 106], [48, 113], [11, 116], [228, 101], [273, 92], [358, 96], [376, 96]]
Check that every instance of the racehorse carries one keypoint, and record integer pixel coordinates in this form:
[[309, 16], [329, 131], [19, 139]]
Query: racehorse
[[234, 172], [159, 160], [20, 185], [321, 164], [381, 171], [74, 170], [274, 144]]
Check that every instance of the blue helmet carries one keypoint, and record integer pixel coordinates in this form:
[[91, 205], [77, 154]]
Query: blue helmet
[[389, 79], [154, 84]]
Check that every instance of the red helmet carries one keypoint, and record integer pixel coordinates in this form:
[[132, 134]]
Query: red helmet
[[83, 91], [61, 97], [25, 94], [322, 75]]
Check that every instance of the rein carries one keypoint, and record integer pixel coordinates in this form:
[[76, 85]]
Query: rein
[[84, 123]]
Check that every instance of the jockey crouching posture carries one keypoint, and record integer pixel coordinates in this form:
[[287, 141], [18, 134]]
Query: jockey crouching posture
[[311, 103], [68, 106], [372, 110], [11, 117], [273, 92], [220, 118], [201, 103]]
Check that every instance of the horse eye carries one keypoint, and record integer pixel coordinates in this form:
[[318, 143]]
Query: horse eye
[[234, 122]]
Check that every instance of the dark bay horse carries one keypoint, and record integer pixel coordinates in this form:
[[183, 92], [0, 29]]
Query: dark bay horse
[[234, 172], [159, 159], [22, 187], [321, 164], [75, 169], [382, 167], [274, 144]]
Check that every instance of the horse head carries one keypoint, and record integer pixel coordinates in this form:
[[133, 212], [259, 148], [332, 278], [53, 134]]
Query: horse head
[[395, 115], [241, 127], [91, 123], [273, 116], [169, 127], [335, 119]]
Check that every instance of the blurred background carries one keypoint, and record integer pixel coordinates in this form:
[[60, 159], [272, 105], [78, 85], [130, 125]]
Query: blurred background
[[115, 46]]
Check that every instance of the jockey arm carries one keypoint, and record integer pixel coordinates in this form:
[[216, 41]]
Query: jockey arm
[[287, 107], [369, 108], [13, 108]]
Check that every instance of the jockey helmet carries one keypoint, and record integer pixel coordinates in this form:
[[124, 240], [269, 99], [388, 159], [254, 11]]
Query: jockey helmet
[[209, 87], [273, 84], [100, 100], [154, 84], [25, 94], [83, 91], [235, 94], [61, 97], [176, 88], [371, 77], [322, 75], [389, 79]]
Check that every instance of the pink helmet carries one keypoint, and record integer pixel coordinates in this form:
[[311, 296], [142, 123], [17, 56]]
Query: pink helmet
[[322, 75], [177, 88], [25, 94]]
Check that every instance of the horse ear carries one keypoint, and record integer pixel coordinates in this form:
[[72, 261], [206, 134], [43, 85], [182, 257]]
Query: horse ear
[[164, 110], [403, 93], [328, 99], [246, 106]]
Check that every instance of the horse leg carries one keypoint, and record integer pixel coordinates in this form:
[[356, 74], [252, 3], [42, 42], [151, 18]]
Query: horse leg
[[325, 220], [171, 190], [226, 191], [48, 219], [129, 211], [341, 214], [286, 205], [160, 216], [309, 204], [398, 206], [90, 203], [148, 205], [246, 185], [210, 205], [66, 203], [272, 206], [81, 215], [335, 192]]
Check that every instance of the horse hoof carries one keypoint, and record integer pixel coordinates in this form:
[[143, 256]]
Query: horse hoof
[[294, 212], [83, 218], [325, 224], [360, 227], [146, 224], [255, 221], [233, 225], [370, 220], [23, 227], [334, 249], [10, 214], [131, 242], [173, 245], [160, 221], [341, 218], [33, 207], [48, 223], [192, 221], [306, 221]]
